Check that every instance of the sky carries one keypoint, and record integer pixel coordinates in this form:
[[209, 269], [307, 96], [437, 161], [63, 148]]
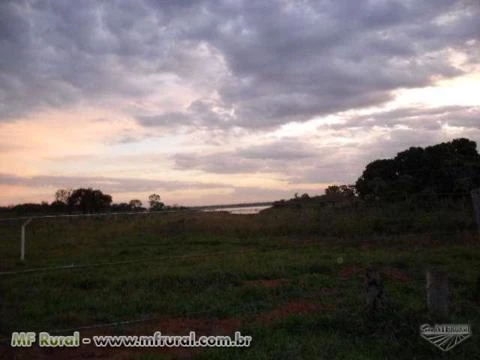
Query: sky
[[210, 102]]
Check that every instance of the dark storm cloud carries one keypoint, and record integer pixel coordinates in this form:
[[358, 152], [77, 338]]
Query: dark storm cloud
[[268, 63], [291, 63], [55, 53], [108, 184]]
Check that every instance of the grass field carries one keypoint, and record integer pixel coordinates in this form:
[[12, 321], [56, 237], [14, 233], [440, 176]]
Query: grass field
[[290, 278]]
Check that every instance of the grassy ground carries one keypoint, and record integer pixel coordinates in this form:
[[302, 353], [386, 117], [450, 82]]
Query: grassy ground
[[292, 279]]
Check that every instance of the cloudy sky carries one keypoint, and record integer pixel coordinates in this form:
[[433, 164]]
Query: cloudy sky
[[208, 102]]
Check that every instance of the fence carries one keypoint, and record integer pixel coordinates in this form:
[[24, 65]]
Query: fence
[[25, 220], [234, 208], [476, 205]]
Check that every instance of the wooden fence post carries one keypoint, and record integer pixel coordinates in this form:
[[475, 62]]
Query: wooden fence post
[[374, 289], [476, 205], [476, 294], [437, 293]]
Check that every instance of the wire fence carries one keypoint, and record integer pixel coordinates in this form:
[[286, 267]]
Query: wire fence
[[111, 263], [12, 225], [189, 314], [51, 232], [16, 227]]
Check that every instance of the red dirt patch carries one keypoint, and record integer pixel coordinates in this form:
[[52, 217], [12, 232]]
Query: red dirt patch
[[291, 308], [182, 326], [267, 283]]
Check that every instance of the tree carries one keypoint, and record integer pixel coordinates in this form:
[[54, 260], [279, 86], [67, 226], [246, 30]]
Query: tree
[[59, 206], [122, 207], [443, 169], [342, 191], [62, 195], [135, 204], [376, 178], [155, 203], [305, 196], [89, 200], [332, 190]]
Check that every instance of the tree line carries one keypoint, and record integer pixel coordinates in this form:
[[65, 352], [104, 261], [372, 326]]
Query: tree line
[[443, 170], [86, 200], [446, 170]]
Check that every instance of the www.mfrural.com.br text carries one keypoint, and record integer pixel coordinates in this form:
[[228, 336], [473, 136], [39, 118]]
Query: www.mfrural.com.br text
[[46, 340]]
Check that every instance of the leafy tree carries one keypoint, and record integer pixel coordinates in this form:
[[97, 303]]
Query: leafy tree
[[59, 206], [30, 208], [135, 204], [62, 195], [442, 169], [89, 200], [305, 196], [340, 191], [121, 207], [155, 203]]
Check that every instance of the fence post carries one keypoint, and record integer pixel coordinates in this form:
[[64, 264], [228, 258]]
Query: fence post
[[22, 240], [476, 205], [437, 293], [374, 287]]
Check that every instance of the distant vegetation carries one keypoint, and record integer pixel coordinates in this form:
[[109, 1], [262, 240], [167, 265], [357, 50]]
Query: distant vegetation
[[85, 200], [448, 170], [441, 170]]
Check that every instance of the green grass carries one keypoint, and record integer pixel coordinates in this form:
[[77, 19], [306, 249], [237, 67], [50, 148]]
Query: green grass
[[174, 282]]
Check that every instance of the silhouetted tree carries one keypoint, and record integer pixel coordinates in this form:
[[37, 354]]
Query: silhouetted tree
[[446, 168], [59, 206], [340, 191], [89, 200], [135, 204], [121, 207], [29, 208], [155, 203], [62, 195]]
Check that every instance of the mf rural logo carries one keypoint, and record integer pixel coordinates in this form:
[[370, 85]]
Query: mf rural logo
[[445, 336]]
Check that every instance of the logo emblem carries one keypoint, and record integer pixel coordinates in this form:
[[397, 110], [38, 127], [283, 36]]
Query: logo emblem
[[445, 336]]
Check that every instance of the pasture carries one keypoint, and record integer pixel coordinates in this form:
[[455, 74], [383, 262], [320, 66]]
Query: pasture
[[292, 278]]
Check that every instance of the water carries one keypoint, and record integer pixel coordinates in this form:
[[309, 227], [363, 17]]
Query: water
[[242, 210]]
